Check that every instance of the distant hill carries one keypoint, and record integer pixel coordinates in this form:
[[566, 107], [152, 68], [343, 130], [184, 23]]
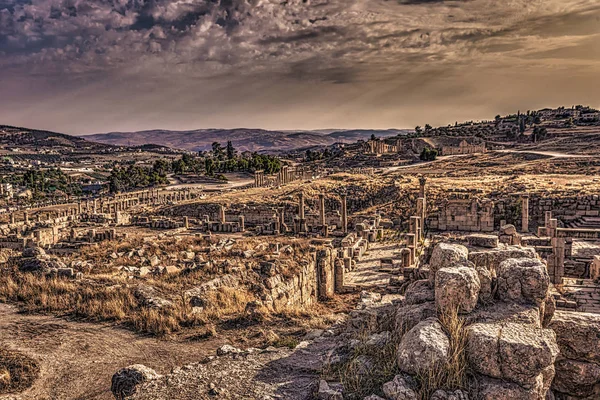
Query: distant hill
[[258, 140], [12, 136]]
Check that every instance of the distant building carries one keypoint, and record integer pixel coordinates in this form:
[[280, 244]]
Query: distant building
[[380, 147], [464, 147], [590, 117]]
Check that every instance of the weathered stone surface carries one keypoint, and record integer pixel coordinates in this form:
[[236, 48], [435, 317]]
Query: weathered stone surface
[[407, 317], [327, 393], [549, 309], [447, 255], [373, 397], [125, 381], [508, 230], [513, 352], [496, 389], [423, 347], [419, 292], [577, 378], [492, 259], [456, 287], [480, 240], [399, 389], [485, 283], [34, 252], [502, 313], [577, 335], [523, 280], [449, 395]]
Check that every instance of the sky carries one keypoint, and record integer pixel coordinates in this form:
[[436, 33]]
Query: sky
[[82, 67]]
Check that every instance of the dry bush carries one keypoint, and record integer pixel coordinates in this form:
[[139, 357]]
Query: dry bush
[[17, 371], [226, 302]]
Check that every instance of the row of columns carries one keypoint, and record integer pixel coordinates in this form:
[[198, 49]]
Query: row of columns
[[300, 226]]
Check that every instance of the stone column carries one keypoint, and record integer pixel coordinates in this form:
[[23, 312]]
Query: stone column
[[242, 222], [412, 247], [222, 214], [344, 212], [322, 209], [525, 213], [301, 206], [422, 182], [26, 217], [421, 210], [186, 223]]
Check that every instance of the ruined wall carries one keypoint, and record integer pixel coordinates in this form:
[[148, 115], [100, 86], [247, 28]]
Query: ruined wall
[[314, 281], [472, 215]]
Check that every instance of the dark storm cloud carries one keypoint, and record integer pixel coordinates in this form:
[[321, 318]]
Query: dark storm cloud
[[200, 54]]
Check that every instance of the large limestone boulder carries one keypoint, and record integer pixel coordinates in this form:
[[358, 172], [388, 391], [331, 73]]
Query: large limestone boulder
[[419, 292], [456, 288], [513, 352], [492, 259], [407, 317], [423, 347], [577, 335], [447, 255], [577, 378], [523, 280], [125, 381]]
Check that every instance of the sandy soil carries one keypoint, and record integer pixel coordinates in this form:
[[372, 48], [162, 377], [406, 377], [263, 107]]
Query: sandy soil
[[78, 359]]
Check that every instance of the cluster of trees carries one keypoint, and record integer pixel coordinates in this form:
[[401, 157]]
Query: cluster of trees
[[135, 176], [42, 182], [315, 155], [428, 154], [219, 160]]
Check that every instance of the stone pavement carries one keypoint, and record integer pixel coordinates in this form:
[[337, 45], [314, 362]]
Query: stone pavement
[[369, 272], [585, 292]]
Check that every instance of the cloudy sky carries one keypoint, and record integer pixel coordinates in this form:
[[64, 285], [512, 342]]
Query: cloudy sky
[[86, 66]]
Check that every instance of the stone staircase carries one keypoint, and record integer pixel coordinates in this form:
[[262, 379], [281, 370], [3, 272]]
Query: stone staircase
[[584, 223]]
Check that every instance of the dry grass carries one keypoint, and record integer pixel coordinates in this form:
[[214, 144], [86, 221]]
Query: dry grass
[[17, 371], [367, 368], [452, 374]]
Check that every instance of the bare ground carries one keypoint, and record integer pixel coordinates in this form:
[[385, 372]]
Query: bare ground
[[78, 359]]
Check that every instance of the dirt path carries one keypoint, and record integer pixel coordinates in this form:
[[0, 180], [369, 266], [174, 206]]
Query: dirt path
[[78, 359]]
